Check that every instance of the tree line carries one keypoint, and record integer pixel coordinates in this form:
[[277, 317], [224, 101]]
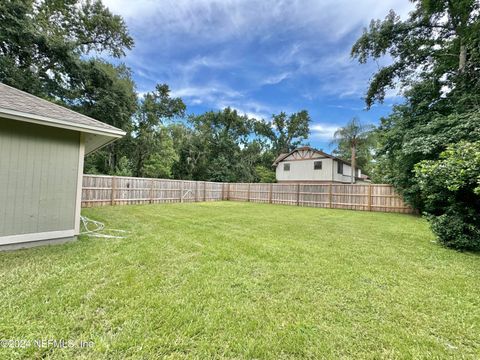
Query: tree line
[[164, 142]]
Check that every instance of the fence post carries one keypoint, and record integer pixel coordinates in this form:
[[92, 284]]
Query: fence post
[[151, 190], [223, 191], [298, 194], [196, 191], [248, 193], [181, 191], [370, 197], [112, 197], [204, 191], [228, 191], [330, 196], [270, 193]]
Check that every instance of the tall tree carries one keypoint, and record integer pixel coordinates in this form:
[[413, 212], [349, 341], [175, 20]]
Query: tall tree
[[220, 137], [43, 43], [436, 46], [155, 110], [108, 94], [286, 132], [365, 152], [354, 135]]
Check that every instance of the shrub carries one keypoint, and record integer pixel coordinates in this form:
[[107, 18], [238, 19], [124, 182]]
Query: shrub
[[457, 230], [450, 188]]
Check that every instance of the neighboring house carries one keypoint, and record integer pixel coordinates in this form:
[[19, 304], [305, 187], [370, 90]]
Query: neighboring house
[[307, 164], [42, 146]]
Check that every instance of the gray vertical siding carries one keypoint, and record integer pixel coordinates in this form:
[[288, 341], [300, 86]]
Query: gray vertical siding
[[38, 178]]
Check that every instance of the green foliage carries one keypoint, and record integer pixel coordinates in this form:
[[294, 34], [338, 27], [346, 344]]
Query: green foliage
[[438, 43], [124, 167], [264, 174], [451, 190], [407, 138], [159, 164], [152, 142], [285, 132], [355, 143], [457, 229], [43, 44], [214, 151], [108, 94]]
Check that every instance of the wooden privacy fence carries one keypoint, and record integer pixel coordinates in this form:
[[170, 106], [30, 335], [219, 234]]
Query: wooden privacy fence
[[115, 190], [99, 190]]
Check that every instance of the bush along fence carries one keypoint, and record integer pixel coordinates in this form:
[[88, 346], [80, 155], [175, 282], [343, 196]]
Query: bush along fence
[[101, 190]]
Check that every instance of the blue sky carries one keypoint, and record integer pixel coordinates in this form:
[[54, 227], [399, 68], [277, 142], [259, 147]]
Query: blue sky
[[259, 57]]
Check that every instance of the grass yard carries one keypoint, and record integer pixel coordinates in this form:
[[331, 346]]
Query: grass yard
[[242, 280]]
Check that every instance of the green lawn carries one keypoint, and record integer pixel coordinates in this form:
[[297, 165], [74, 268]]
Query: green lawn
[[242, 280]]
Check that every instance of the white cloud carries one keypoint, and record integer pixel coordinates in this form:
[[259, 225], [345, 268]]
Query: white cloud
[[219, 97], [275, 79], [252, 109], [207, 91], [204, 49], [216, 20], [323, 131]]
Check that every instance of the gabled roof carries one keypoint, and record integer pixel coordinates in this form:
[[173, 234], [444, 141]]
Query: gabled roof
[[282, 157], [22, 106]]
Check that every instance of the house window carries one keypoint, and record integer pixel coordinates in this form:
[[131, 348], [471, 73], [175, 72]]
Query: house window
[[286, 167], [317, 165], [339, 167]]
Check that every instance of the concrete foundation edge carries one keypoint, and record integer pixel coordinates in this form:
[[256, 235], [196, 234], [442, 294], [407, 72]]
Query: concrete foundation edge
[[30, 244]]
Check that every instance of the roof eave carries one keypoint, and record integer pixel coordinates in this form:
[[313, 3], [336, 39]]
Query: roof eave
[[36, 119]]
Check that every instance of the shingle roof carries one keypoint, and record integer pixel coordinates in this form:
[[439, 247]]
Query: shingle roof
[[22, 102], [280, 158]]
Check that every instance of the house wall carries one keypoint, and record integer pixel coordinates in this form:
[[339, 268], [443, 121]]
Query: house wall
[[303, 170], [39, 168], [346, 176]]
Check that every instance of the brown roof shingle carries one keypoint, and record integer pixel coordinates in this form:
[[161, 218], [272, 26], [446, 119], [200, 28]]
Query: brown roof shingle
[[17, 100]]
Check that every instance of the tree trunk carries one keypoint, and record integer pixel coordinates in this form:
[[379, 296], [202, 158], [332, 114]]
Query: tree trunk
[[462, 61], [353, 163]]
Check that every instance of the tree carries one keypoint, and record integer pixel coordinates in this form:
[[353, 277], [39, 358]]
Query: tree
[[219, 139], [265, 174], [108, 94], [365, 152], [436, 46], [44, 43], [286, 132], [155, 110], [451, 188], [354, 135], [124, 167], [160, 163]]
